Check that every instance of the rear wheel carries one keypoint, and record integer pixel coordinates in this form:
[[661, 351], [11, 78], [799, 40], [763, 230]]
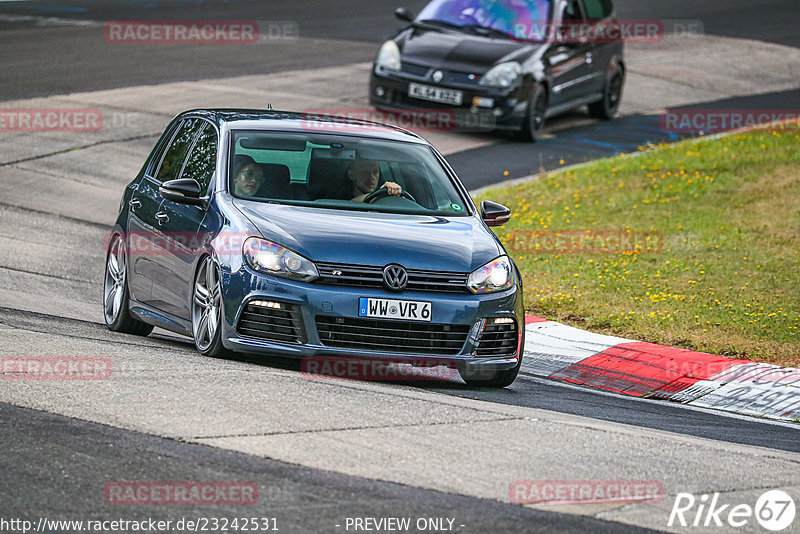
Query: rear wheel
[[115, 293], [207, 310], [608, 106], [533, 123]]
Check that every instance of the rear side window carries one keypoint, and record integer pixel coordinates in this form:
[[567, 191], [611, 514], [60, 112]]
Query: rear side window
[[176, 153], [203, 158], [598, 9]]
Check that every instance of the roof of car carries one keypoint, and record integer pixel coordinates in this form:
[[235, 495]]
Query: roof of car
[[303, 122]]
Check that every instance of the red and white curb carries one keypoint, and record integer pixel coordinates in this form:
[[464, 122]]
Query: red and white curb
[[639, 369]]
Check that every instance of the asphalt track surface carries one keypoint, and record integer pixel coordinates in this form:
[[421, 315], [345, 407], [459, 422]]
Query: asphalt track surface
[[87, 456], [55, 58]]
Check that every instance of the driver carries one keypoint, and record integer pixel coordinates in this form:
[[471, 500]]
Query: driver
[[365, 174]]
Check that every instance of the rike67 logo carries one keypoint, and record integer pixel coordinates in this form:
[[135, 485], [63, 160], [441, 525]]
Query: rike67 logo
[[774, 510]]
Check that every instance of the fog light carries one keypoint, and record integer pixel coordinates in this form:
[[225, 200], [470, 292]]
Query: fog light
[[483, 102], [380, 91], [266, 304], [497, 112]]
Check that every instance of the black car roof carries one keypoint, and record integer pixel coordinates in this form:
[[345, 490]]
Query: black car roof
[[300, 122]]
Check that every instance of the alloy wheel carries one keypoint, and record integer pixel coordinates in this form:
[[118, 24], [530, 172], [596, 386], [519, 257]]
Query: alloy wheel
[[206, 305], [114, 285]]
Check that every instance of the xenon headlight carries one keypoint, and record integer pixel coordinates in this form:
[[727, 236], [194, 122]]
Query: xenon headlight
[[267, 257], [389, 56], [504, 75], [497, 275]]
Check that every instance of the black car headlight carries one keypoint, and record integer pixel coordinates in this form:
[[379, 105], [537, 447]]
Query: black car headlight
[[267, 257], [497, 275], [504, 75], [389, 56]]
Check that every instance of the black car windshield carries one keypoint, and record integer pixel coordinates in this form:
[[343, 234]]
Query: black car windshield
[[340, 171], [513, 18]]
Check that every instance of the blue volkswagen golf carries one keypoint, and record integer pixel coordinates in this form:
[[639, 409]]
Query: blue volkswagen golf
[[312, 236]]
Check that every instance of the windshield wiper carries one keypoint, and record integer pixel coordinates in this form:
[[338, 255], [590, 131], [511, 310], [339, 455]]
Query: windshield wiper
[[483, 30], [427, 23]]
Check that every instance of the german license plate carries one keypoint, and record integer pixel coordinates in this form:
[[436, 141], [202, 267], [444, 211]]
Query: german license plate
[[410, 310], [435, 94]]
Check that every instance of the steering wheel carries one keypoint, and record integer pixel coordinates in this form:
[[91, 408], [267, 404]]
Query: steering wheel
[[383, 192]]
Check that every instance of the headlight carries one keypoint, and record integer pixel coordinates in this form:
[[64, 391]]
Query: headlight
[[267, 257], [503, 75], [389, 56], [497, 275]]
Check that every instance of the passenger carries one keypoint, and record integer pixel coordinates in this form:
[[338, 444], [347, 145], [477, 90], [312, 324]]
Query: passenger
[[247, 176], [365, 175]]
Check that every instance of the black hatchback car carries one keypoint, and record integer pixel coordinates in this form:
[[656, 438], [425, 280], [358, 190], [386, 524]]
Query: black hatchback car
[[503, 64]]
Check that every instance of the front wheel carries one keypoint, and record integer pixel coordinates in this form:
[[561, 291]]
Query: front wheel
[[207, 310], [115, 293], [608, 106], [533, 124]]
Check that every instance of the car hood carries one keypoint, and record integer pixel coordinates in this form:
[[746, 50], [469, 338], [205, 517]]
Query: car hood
[[458, 51], [454, 244]]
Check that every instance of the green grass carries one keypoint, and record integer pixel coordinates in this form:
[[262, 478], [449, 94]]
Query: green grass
[[715, 263]]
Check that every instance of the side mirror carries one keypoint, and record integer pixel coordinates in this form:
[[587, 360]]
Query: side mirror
[[494, 214], [404, 14], [183, 191]]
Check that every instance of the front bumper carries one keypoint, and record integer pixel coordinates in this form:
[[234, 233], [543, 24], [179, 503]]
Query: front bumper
[[311, 301], [497, 110]]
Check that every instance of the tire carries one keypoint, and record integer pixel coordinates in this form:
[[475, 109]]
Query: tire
[[207, 310], [115, 293], [533, 123], [607, 107]]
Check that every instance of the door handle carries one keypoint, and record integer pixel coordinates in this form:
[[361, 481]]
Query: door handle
[[134, 204], [162, 217]]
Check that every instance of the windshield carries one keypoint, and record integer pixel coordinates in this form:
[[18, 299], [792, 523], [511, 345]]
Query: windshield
[[510, 17], [338, 171]]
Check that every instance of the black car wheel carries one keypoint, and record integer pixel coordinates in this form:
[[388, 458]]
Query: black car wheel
[[533, 123], [608, 106], [207, 310], [115, 293]]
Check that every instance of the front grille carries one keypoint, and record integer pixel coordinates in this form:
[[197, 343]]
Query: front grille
[[416, 70], [498, 339], [369, 276], [271, 323], [391, 336]]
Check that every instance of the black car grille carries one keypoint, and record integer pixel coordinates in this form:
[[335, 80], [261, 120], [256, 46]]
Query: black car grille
[[416, 70], [283, 324], [369, 276], [498, 339], [391, 336]]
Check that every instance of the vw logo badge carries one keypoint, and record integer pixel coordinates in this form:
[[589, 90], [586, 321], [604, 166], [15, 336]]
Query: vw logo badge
[[437, 76], [395, 277]]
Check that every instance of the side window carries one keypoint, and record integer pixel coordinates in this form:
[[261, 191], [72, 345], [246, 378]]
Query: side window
[[176, 153], [203, 158], [598, 9]]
